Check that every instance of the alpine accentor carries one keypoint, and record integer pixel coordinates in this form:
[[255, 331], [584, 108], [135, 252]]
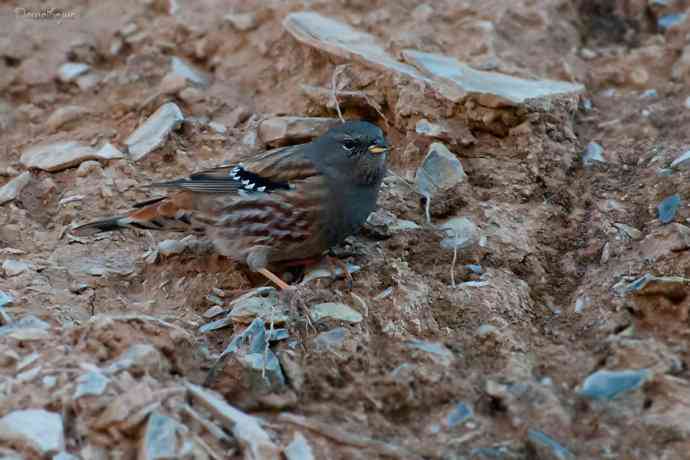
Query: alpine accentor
[[284, 204]]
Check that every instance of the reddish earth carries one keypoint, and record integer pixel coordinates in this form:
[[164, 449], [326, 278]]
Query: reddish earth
[[515, 344]]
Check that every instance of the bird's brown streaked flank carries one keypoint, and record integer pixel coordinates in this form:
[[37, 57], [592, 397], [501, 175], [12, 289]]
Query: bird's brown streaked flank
[[284, 204]]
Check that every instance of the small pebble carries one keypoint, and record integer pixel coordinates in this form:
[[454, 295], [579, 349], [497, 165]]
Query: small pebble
[[15, 267], [460, 414], [667, 21], [89, 167], [606, 385], [71, 70], [593, 153], [682, 161], [667, 209], [242, 21]]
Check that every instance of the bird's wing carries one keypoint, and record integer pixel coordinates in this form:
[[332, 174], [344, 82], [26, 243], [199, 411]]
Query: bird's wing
[[274, 170]]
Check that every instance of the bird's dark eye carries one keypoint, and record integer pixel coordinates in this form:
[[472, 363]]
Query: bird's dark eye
[[349, 144]]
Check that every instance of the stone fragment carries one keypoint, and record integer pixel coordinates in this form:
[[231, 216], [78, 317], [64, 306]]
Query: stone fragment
[[667, 209], [606, 385], [57, 156], [682, 162], [447, 131], [243, 22], [91, 383], [629, 231], [27, 323], [13, 267], [247, 368], [546, 447], [153, 133], [282, 130], [139, 359], [89, 81], [324, 270], [341, 40], [461, 233], [492, 89], [383, 224], [459, 414], [89, 167], [14, 187], [160, 438], [69, 71], [246, 429], [187, 71], [440, 171], [331, 339], [335, 311], [667, 21], [299, 448], [437, 351], [648, 284], [39, 429], [594, 153], [64, 115]]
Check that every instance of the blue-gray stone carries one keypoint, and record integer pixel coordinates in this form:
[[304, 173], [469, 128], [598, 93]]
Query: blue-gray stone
[[5, 299], [654, 285], [593, 153], [160, 438], [543, 442], [667, 209], [475, 268], [682, 161], [331, 339], [460, 414], [586, 105], [649, 93], [606, 385], [667, 21], [279, 334], [495, 453]]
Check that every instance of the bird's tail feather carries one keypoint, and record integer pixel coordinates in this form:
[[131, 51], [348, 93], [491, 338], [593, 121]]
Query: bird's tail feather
[[158, 214]]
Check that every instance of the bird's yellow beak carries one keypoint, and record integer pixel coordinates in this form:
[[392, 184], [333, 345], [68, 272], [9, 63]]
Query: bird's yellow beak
[[378, 149]]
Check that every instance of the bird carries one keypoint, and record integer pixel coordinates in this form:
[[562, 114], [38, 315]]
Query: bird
[[281, 205]]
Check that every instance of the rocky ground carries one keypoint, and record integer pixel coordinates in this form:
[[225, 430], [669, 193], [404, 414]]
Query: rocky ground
[[522, 292]]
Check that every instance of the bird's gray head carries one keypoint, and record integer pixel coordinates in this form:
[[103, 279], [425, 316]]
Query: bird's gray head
[[356, 150]]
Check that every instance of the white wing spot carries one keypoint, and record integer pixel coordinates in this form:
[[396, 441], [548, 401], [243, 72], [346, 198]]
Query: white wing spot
[[262, 188], [250, 186], [245, 182]]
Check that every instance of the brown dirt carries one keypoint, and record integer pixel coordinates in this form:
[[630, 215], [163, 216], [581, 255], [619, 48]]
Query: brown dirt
[[545, 216]]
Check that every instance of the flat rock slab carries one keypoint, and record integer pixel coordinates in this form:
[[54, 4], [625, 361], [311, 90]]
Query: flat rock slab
[[339, 39], [494, 89], [154, 131], [57, 156], [41, 430], [283, 130], [450, 77]]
